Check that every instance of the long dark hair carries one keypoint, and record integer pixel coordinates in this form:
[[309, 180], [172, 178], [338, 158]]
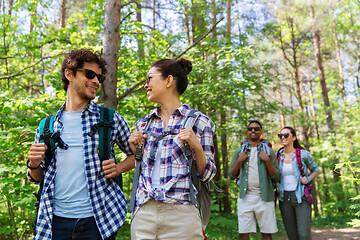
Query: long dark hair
[[296, 142]]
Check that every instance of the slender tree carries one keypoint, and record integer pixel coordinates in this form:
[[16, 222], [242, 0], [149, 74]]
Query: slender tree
[[111, 46]]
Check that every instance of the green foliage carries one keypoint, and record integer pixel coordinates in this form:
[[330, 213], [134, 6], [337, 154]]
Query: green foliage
[[239, 74]]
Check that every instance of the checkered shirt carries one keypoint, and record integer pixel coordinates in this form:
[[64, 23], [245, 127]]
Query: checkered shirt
[[174, 170], [107, 200]]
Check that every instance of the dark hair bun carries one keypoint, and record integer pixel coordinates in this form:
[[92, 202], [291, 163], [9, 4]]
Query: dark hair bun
[[186, 64]]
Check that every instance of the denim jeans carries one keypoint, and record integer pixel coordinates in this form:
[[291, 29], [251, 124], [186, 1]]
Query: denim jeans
[[296, 217], [76, 228]]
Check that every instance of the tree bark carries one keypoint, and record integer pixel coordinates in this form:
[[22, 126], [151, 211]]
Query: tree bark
[[111, 47], [225, 158], [140, 40], [339, 192], [312, 102], [63, 14], [320, 69]]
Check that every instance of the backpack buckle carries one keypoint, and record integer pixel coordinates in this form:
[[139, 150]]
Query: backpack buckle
[[46, 134], [107, 124], [55, 135]]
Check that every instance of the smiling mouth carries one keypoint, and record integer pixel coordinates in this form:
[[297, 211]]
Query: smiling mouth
[[93, 88]]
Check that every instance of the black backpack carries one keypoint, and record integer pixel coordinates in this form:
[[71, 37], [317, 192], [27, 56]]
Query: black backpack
[[204, 196], [53, 140]]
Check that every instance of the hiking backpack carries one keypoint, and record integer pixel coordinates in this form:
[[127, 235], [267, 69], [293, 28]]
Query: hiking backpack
[[53, 140], [204, 196]]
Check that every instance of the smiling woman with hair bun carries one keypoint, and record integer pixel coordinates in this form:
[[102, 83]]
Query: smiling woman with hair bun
[[163, 208]]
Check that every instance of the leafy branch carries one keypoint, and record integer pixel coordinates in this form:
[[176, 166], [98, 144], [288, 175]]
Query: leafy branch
[[138, 85]]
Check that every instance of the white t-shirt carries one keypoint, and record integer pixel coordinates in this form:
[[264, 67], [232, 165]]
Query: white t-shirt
[[288, 177], [253, 186]]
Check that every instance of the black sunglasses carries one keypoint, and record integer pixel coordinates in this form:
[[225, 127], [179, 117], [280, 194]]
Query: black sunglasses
[[286, 135], [90, 74], [254, 128]]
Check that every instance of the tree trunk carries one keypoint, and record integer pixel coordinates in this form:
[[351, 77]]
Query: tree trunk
[[217, 177], [140, 41], [224, 144], [226, 198], [33, 15], [187, 26], [339, 192], [312, 102], [320, 70], [111, 47], [63, 14]]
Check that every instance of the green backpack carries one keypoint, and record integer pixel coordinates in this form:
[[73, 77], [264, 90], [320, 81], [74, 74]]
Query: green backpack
[[50, 138]]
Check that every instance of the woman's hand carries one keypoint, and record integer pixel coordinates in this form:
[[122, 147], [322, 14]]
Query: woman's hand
[[137, 139], [187, 136], [304, 180]]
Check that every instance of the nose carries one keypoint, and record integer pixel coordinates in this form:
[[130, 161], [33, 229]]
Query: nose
[[146, 85], [96, 80]]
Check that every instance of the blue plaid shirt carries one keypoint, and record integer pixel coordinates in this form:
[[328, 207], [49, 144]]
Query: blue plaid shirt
[[107, 200], [174, 170]]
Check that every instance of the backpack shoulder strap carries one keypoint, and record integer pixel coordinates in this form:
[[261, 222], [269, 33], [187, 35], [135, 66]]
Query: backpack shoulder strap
[[194, 180], [298, 160], [191, 119], [46, 131], [105, 124], [138, 158], [278, 156]]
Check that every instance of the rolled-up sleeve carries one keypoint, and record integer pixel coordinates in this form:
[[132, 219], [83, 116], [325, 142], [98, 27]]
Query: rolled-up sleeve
[[233, 161], [206, 130], [276, 176], [310, 163], [122, 131]]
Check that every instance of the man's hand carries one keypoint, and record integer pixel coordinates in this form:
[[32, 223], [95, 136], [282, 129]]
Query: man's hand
[[242, 157], [264, 157], [136, 139], [37, 153], [110, 168]]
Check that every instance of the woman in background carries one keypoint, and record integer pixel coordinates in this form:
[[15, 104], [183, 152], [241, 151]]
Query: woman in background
[[298, 170]]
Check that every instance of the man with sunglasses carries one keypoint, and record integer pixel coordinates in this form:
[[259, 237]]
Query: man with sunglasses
[[79, 200], [255, 167]]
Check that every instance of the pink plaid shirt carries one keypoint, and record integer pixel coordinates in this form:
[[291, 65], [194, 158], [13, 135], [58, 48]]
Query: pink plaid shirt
[[174, 170]]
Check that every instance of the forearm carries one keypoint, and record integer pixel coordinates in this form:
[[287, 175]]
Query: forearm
[[313, 175], [270, 168], [127, 164], [235, 170], [200, 160], [37, 174]]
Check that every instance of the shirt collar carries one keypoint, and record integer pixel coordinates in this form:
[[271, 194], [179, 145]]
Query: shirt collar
[[91, 107], [182, 110]]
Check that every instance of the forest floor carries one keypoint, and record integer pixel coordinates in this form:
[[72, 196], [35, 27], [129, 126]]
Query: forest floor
[[334, 234]]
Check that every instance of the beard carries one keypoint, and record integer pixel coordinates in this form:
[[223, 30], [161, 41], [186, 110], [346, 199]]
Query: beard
[[81, 91]]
